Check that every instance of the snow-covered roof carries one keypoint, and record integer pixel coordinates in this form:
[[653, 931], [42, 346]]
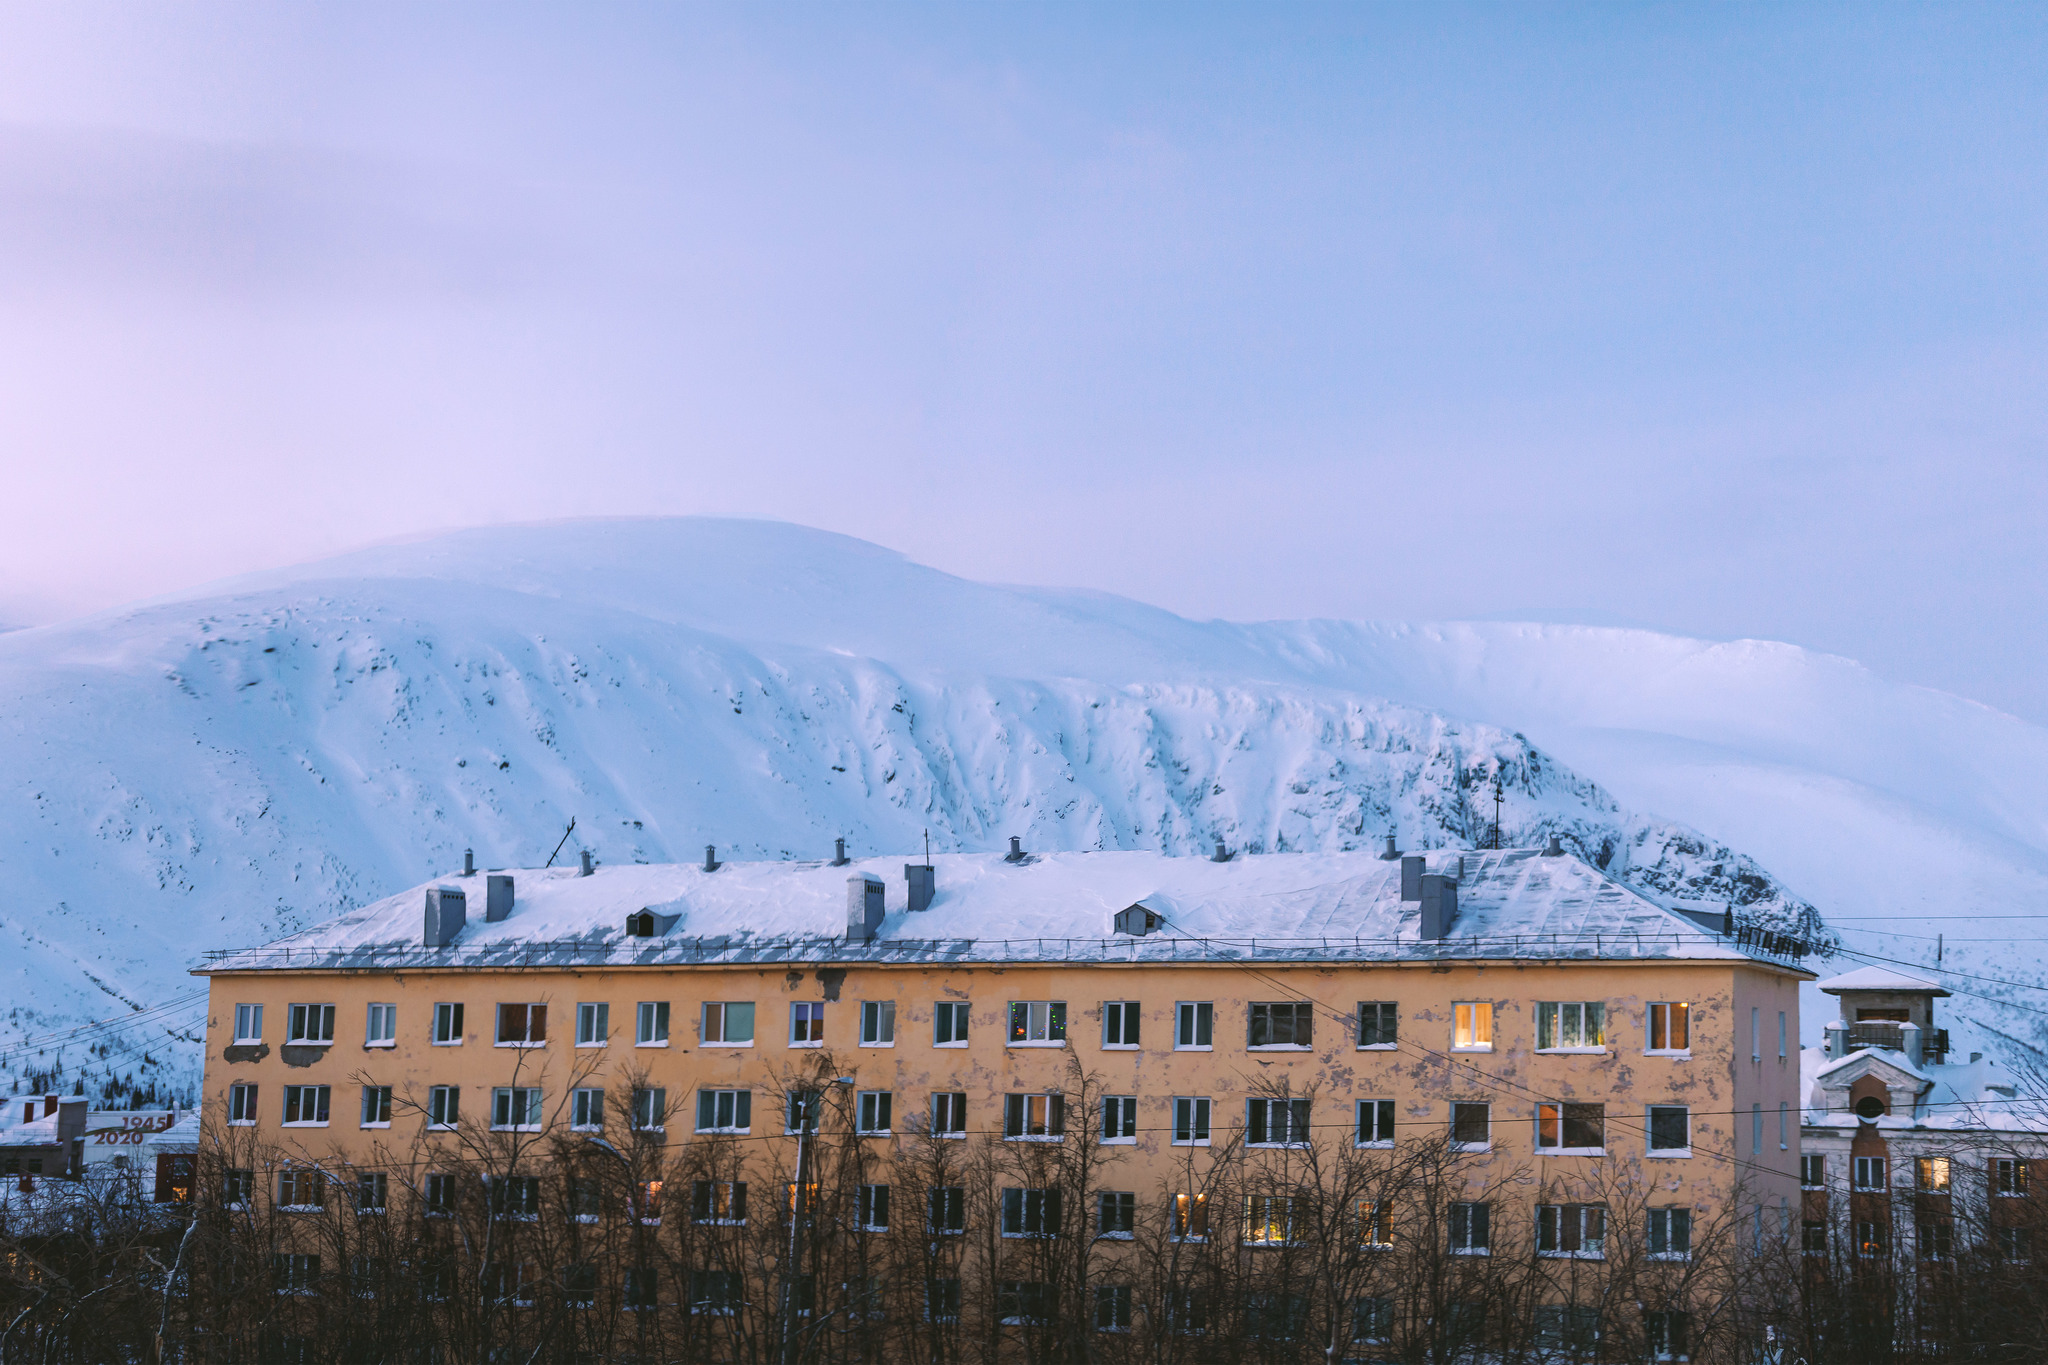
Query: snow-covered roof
[[1955, 1098], [1878, 979], [1512, 903], [41, 1131]]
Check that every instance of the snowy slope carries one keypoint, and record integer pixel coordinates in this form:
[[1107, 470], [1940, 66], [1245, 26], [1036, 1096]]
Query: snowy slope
[[214, 770]]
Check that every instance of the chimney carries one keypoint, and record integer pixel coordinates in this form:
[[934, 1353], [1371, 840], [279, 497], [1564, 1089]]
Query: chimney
[[920, 877], [1221, 855], [1016, 853], [1391, 852], [587, 866], [469, 862], [1411, 877], [445, 916], [1553, 849], [839, 858], [50, 1103], [498, 896], [710, 858], [1728, 921], [1439, 896], [863, 907]]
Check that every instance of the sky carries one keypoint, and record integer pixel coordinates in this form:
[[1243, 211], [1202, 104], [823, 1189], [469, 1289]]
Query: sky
[[1722, 320]]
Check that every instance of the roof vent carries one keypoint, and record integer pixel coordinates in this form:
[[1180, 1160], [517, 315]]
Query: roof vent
[[1439, 906], [647, 924], [469, 862], [1391, 851], [1411, 877], [921, 879], [1553, 849], [710, 858], [1221, 855], [497, 897], [1016, 853], [863, 907], [588, 866], [839, 858], [445, 916], [1137, 921]]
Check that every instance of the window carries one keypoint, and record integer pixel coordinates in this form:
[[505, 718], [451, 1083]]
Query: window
[[236, 1186], [381, 1027], [1031, 1213], [801, 1115], [585, 1199], [878, 1023], [1670, 1233], [650, 1024], [2008, 1175], [650, 1109], [1194, 1025], [1120, 1118], [248, 1023], [807, 1024], [2011, 1244], [1571, 1025], [1670, 1027], [949, 1115], [728, 1023], [1471, 1127], [1038, 1023], [1274, 1317], [714, 1291], [1669, 1332], [439, 1193], [1470, 1234], [310, 1025], [1280, 1023], [871, 1112], [1187, 1312], [1571, 1128], [296, 1272], [641, 1287], [1813, 1237], [305, 1105], [522, 1025], [1472, 1026], [1372, 1320], [579, 1284], [723, 1202], [301, 1187], [447, 1025], [1116, 1213], [946, 1208], [1268, 1220], [1576, 1230], [1567, 1327], [1376, 1223], [1781, 1035], [1375, 1123], [1756, 1129], [242, 1103], [586, 1109], [1378, 1024], [1120, 1023], [1870, 1173], [646, 1197], [1930, 1174], [593, 1024], [1870, 1238], [1756, 1034], [1034, 1116], [1190, 1121], [1935, 1237], [373, 1193], [1024, 1301], [724, 1111], [1813, 1171], [1190, 1218], [515, 1109], [942, 1300], [1277, 1123], [376, 1106], [1112, 1308], [515, 1196], [871, 1208], [1670, 1130], [949, 1024]]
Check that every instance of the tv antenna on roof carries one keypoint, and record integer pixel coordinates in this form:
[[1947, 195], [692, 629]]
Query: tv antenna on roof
[[558, 847], [1496, 808]]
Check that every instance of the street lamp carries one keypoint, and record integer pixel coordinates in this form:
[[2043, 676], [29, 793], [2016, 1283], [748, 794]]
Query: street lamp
[[805, 1120]]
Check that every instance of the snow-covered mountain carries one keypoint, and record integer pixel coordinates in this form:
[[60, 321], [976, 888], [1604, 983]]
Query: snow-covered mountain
[[215, 769]]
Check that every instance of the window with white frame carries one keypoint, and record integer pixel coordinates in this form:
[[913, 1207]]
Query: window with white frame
[[807, 1023], [443, 1106], [242, 1103], [1930, 1174], [1472, 1026], [301, 1187], [1191, 1120], [1031, 1213], [728, 1023], [1375, 1123], [1572, 1230], [593, 1023], [871, 1112], [1670, 1130], [1376, 1223], [305, 1106], [1116, 1214], [373, 1192], [725, 1111], [1870, 1173], [1276, 1123], [1670, 1027], [1120, 1023], [1027, 1117], [1281, 1024], [1038, 1023], [515, 1196], [801, 1112], [515, 1108], [1112, 1308], [2008, 1176], [1268, 1220], [1189, 1218], [380, 1026], [1194, 1025], [650, 1108], [878, 1023], [1670, 1334], [1571, 1128], [1120, 1119], [1813, 1171], [719, 1202], [1571, 1026], [1471, 1229], [522, 1025], [949, 1114], [1670, 1233], [1379, 1024], [586, 1109], [248, 1023], [310, 1025], [447, 1030], [376, 1106], [949, 1023], [1471, 1126], [871, 1208], [1372, 1320], [946, 1209], [650, 1024]]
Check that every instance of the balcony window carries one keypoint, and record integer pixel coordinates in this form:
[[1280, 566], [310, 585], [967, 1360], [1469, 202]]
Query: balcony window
[[1280, 1024], [1571, 1129], [1571, 1026]]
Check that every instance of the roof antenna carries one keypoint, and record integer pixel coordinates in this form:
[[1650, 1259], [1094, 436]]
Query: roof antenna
[[927, 848], [558, 847], [1496, 809]]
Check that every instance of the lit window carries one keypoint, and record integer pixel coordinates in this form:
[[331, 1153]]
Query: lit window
[[1268, 1220], [1472, 1025], [1038, 1023], [1571, 1127], [1190, 1218], [2008, 1176], [1670, 1026], [1376, 1223], [1930, 1174]]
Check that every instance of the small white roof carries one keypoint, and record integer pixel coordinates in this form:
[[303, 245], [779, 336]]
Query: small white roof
[[1878, 979]]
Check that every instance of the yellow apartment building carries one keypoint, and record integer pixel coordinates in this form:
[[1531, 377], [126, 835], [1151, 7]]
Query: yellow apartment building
[[1602, 1071]]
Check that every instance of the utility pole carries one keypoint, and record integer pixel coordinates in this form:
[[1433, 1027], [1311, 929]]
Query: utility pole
[[814, 1104], [1496, 808]]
